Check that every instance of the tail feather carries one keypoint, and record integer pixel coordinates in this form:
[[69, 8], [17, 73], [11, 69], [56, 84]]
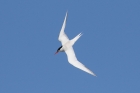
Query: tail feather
[[76, 38]]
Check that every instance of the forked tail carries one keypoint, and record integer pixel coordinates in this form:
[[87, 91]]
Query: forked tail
[[76, 38]]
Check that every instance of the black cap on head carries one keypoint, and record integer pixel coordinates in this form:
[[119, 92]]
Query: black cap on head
[[59, 48]]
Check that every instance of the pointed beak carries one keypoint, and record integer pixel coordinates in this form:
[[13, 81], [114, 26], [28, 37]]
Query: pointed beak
[[56, 52]]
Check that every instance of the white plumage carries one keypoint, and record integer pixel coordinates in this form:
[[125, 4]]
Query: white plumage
[[67, 47]]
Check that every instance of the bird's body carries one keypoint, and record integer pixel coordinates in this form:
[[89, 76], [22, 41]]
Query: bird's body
[[67, 47]]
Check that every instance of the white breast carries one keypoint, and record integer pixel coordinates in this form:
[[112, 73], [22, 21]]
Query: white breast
[[67, 45]]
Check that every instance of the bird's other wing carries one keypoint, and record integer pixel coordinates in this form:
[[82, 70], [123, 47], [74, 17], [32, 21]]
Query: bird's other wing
[[62, 36], [73, 61]]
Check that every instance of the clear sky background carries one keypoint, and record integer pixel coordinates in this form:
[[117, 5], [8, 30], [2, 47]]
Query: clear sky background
[[110, 46]]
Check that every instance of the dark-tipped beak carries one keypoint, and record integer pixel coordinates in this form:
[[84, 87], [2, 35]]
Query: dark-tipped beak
[[56, 52]]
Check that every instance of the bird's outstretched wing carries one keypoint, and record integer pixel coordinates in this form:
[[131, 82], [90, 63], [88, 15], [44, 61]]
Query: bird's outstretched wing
[[62, 36], [73, 61]]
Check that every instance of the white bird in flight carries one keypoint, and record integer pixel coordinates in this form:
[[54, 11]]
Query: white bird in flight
[[67, 47]]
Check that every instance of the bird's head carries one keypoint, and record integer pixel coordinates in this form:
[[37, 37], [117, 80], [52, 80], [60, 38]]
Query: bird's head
[[58, 50]]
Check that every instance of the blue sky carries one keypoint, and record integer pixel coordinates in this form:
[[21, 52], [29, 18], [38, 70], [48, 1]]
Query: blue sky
[[110, 46]]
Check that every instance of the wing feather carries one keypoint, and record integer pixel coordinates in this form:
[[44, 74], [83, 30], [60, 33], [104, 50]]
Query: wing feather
[[73, 61], [62, 36]]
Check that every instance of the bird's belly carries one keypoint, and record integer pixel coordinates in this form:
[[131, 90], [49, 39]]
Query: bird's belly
[[67, 46]]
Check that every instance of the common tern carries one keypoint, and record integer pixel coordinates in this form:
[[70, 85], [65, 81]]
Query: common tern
[[67, 47]]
